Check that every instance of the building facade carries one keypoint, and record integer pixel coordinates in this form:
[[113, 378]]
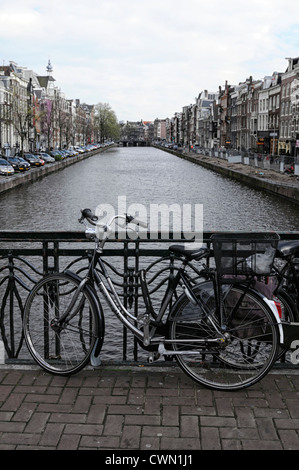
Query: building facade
[[255, 115], [35, 114]]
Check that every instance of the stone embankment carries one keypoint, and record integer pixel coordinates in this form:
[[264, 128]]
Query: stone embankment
[[10, 182], [286, 186]]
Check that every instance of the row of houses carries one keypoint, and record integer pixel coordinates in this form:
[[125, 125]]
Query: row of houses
[[35, 114], [257, 115], [142, 132]]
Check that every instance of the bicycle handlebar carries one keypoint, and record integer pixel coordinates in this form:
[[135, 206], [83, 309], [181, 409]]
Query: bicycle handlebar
[[87, 214], [134, 220], [93, 219]]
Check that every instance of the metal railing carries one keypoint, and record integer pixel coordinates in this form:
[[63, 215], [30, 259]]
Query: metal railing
[[26, 256], [279, 163]]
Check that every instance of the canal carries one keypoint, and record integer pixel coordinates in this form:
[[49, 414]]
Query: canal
[[147, 176]]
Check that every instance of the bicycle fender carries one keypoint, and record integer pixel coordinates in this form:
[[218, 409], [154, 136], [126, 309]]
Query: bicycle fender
[[95, 359], [98, 307], [272, 306], [274, 310], [205, 291]]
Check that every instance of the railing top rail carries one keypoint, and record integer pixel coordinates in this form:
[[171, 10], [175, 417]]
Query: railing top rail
[[146, 237]]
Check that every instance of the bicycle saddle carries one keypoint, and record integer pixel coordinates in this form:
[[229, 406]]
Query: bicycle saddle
[[286, 248], [190, 253]]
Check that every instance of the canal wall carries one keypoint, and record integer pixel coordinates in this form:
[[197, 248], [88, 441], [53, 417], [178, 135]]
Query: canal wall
[[10, 182], [280, 184]]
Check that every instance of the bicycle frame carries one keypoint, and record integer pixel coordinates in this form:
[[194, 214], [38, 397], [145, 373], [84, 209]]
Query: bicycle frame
[[147, 336], [146, 328]]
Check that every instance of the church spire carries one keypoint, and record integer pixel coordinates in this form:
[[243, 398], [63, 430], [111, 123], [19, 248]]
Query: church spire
[[49, 67]]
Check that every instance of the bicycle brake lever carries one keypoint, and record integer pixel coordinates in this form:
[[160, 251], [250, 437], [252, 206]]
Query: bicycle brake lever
[[81, 218]]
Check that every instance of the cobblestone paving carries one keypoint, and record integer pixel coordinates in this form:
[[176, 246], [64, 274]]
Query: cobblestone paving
[[144, 408]]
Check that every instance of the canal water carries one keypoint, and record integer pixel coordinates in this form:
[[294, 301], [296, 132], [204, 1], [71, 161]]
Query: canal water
[[141, 176], [144, 176]]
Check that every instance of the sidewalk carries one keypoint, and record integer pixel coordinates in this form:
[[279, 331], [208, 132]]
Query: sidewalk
[[268, 174], [147, 408]]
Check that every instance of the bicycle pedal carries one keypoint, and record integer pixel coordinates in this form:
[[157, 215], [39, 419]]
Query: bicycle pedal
[[153, 356]]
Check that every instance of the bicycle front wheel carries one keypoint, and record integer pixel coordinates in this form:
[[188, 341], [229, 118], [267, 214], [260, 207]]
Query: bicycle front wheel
[[247, 354], [65, 347]]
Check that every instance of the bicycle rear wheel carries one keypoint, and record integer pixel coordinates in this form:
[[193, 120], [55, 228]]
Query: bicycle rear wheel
[[64, 348], [244, 358]]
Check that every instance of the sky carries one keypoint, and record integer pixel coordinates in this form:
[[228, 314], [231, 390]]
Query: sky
[[148, 58]]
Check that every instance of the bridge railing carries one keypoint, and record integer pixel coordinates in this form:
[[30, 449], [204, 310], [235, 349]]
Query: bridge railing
[[26, 256]]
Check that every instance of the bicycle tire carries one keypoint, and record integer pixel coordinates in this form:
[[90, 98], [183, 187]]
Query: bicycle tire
[[66, 350], [289, 313], [234, 365]]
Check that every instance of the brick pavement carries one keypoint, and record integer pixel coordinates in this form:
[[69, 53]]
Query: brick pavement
[[147, 408]]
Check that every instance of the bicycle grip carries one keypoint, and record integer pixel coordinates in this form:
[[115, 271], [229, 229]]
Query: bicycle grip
[[133, 220], [140, 222], [87, 214]]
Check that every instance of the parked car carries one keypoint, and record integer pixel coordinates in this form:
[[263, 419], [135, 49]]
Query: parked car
[[57, 155], [5, 167], [91, 147], [46, 157], [25, 164], [72, 152], [79, 149], [65, 153], [33, 159], [18, 164]]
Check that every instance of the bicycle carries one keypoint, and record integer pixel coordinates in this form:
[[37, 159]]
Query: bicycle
[[286, 289], [282, 284], [286, 272], [223, 335]]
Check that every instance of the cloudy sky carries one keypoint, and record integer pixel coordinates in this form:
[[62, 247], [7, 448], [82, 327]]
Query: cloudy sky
[[148, 58]]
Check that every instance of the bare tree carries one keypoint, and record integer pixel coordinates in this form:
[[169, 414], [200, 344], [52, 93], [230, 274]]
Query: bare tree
[[47, 120], [22, 112], [106, 124]]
